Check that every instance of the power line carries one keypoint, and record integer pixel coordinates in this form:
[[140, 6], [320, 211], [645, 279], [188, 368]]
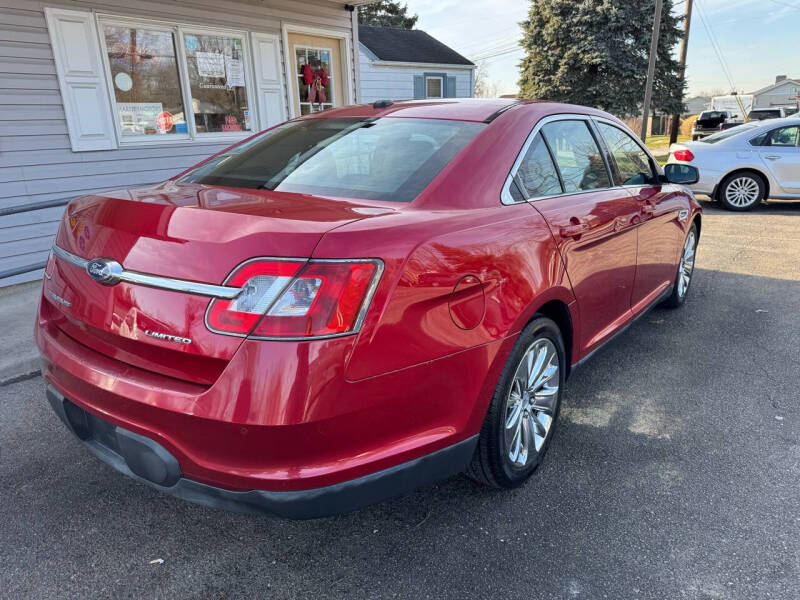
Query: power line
[[492, 39], [495, 55], [498, 52], [712, 36], [498, 48], [715, 46]]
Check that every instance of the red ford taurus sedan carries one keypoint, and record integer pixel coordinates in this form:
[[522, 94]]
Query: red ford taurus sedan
[[358, 302]]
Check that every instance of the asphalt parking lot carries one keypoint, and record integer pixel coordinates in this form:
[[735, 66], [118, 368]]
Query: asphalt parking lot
[[675, 474]]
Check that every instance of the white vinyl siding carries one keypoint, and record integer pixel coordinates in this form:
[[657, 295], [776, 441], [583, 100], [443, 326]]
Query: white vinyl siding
[[783, 94], [37, 162], [380, 82]]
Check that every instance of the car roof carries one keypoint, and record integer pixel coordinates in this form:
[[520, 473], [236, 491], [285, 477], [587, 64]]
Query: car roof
[[779, 121], [458, 109]]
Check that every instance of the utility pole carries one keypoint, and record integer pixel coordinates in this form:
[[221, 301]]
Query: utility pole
[[651, 68], [687, 21]]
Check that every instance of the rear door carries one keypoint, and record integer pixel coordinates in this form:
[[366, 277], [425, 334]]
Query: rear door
[[659, 205], [563, 174], [780, 153]]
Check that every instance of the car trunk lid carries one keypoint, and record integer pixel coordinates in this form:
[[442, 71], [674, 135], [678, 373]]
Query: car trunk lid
[[185, 233]]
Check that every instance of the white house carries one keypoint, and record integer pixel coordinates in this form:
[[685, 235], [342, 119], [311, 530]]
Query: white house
[[398, 64], [101, 94], [784, 92]]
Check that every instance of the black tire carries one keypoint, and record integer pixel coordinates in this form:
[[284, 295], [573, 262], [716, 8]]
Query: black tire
[[678, 295], [491, 464], [742, 178]]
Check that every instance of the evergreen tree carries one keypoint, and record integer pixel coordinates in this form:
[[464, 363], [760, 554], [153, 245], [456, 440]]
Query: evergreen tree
[[386, 14], [595, 52]]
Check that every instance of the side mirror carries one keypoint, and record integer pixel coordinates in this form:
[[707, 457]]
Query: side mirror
[[681, 174]]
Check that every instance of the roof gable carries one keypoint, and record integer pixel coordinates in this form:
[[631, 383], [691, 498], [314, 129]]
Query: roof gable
[[408, 45], [769, 88]]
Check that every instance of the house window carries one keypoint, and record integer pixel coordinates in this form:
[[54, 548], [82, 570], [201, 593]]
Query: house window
[[433, 87], [145, 81], [216, 82], [314, 78], [162, 93]]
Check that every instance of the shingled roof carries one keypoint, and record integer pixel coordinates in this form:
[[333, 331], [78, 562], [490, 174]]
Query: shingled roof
[[408, 45]]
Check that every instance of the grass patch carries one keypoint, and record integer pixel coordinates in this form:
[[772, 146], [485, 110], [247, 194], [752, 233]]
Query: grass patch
[[656, 142]]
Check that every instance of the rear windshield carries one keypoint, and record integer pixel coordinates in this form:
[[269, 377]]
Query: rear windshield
[[711, 114], [728, 133], [391, 159]]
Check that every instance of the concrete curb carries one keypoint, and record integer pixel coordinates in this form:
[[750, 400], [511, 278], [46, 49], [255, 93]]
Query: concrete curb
[[18, 307]]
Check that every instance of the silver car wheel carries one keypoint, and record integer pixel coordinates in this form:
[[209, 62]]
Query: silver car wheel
[[686, 266], [742, 192], [531, 402]]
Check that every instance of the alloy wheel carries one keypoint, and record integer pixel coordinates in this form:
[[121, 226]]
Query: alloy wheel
[[742, 192], [687, 264], [531, 402]]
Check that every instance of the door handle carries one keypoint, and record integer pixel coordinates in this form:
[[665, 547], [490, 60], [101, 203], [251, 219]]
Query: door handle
[[773, 157], [574, 230]]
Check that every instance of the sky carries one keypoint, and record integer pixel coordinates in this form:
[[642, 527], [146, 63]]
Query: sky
[[758, 39]]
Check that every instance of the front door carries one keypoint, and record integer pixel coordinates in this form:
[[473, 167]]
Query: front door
[[661, 234], [780, 153], [317, 67], [593, 223]]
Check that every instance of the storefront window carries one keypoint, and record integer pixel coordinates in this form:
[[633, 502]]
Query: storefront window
[[145, 80], [315, 78], [217, 82]]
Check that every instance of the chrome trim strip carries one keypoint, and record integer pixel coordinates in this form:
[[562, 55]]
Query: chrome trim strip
[[180, 285], [70, 258], [157, 281], [229, 293]]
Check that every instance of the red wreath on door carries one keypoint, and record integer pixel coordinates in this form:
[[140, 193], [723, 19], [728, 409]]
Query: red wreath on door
[[316, 82]]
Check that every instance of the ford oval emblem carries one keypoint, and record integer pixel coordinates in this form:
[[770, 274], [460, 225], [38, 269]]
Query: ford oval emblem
[[104, 270]]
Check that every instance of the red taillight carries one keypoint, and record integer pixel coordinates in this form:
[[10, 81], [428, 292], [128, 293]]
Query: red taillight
[[323, 298], [262, 281], [684, 155]]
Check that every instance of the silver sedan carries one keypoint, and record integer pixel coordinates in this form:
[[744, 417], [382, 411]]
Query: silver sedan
[[745, 165]]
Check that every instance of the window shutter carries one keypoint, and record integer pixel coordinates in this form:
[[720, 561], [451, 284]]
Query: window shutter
[[271, 99], [450, 87], [81, 77], [419, 86]]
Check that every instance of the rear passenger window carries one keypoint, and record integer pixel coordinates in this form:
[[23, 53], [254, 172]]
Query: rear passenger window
[[537, 175], [785, 136], [577, 155], [633, 163]]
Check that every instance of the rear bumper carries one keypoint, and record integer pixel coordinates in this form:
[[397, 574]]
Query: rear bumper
[[708, 180], [147, 461], [281, 422]]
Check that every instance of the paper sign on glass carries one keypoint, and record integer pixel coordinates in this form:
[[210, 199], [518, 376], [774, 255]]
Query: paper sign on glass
[[210, 64], [234, 71]]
